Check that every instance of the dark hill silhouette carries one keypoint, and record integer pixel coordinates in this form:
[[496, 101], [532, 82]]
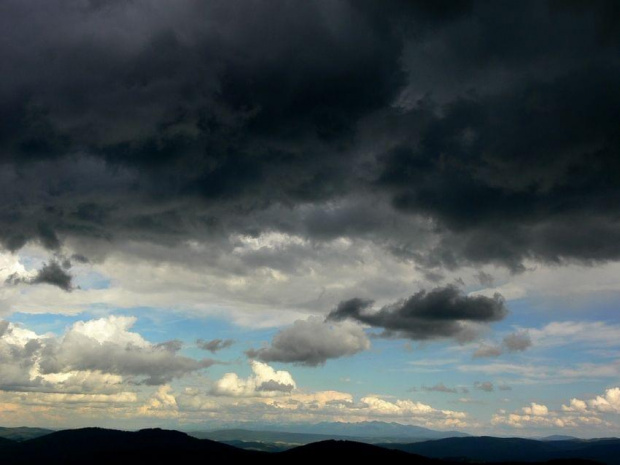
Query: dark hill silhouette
[[489, 449], [353, 451], [103, 446], [153, 446], [6, 444]]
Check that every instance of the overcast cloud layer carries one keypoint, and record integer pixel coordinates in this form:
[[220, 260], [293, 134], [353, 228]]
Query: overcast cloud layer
[[204, 119]]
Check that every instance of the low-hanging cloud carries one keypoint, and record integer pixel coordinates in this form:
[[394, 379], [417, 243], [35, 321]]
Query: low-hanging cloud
[[440, 313], [312, 342]]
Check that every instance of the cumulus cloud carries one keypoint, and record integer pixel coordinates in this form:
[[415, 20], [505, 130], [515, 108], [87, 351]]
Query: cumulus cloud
[[92, 354], [214, 345], [536, 409], [264, 381], [439, 313], [577, 412], [609, 402], [312, 342]]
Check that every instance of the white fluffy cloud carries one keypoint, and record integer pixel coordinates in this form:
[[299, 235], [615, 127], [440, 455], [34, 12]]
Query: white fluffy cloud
[[535, 409], [593, 412], [608, 402], [265, 381]]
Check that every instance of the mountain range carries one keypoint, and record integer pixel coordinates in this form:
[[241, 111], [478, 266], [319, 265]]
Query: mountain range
[[99, 446], [292, 435]]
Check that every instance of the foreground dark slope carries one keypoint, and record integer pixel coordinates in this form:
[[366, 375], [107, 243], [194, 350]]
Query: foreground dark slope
[[488, 449], [101, 446]]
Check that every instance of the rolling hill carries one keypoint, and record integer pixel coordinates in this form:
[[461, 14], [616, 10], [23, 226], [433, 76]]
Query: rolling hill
[[102, 446], [488, 449]]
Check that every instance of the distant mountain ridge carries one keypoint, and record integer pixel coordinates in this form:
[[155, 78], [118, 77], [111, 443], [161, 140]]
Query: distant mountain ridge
[[272, 438], [490, 449], [375, 429], [23, 433], [97, 446]]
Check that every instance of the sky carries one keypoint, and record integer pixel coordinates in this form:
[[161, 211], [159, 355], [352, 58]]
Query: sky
[[255, 213]]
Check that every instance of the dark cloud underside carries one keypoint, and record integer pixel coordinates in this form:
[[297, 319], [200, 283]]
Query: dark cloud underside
[[439, 313], [196, 120]]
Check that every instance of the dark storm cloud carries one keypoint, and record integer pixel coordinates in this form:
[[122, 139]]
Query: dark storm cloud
[[496, 121], [215, 344], [52, 273], [439, 313]]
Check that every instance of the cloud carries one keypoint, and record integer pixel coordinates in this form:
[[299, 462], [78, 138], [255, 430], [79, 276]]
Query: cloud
[[578, 413], [439, 313], [536, 409], [517, 342], [91, 355], [312, 342], [52, 273], [609, 402], [265, 381], [420, 126], [514, 342], [440, 387], [214, 345], [486, 350], [486, 386]]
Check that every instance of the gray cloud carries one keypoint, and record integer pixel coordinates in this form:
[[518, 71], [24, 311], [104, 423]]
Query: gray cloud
[[274, 386], [514, 342], [104, 346], [486, 386], [485, 351], [518, 342], [439, 313], [214, 345], [168, 133], [504, 387], [52, 273], [485, 279], [440, 387], [155, 365], [312, 342]]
